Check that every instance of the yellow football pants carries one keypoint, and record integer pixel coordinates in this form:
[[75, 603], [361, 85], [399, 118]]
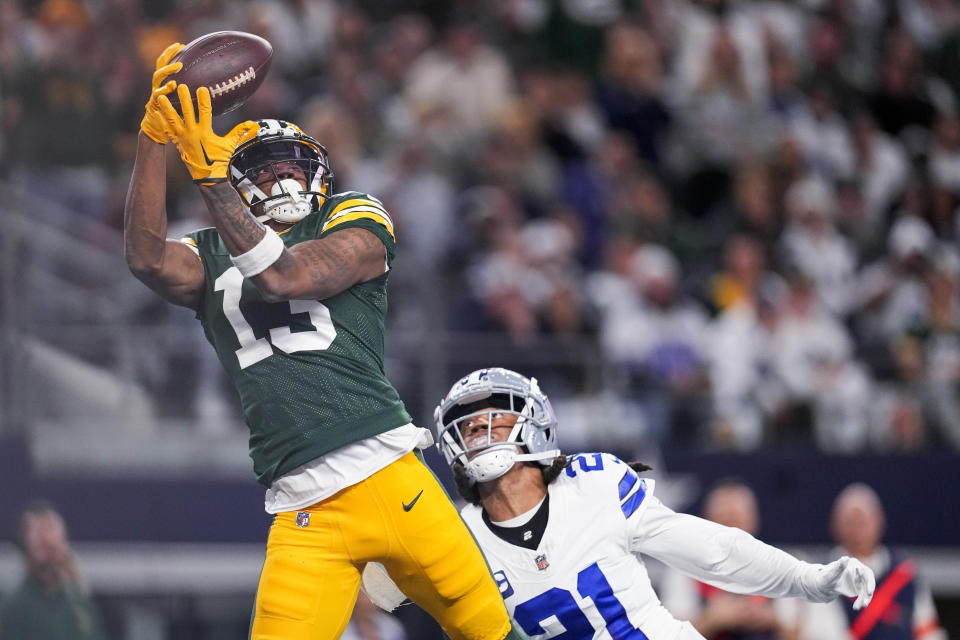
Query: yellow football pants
[[399, 516]]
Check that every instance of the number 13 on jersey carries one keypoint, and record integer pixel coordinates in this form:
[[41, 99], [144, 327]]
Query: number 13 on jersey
[[253, 349]]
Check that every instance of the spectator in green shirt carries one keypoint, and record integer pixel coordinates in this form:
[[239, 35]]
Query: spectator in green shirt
[[51, 602]]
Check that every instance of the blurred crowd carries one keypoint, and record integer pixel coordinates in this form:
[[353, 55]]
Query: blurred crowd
[[749, 207]]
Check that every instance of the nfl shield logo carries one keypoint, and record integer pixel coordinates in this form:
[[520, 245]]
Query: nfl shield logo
[[541, 561], [303, 518]]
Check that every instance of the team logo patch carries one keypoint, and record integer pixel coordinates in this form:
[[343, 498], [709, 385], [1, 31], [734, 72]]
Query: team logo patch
[[303, 519], [541, 561]]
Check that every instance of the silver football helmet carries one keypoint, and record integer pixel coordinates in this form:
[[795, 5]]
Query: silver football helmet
[[533, 437]]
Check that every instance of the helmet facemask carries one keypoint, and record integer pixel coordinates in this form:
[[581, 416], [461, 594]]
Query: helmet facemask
[[532, 438], [271, 158]]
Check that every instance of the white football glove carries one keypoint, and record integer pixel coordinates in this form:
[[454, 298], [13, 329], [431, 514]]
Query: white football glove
[[844, 577]]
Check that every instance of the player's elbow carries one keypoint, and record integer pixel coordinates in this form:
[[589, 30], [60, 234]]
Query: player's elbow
[[275, 288], [714, 558], [269, 295], [282, 292], [143, 267], [718, 550]]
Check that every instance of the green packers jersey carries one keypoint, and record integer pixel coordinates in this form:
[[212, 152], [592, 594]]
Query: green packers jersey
[[309, 372]]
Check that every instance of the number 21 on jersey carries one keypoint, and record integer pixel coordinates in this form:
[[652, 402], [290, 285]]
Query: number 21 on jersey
[[253, 349], [560, 603]]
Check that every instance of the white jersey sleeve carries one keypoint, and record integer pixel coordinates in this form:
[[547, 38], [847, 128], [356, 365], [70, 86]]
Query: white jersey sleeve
[[610, 479], [724, 557]]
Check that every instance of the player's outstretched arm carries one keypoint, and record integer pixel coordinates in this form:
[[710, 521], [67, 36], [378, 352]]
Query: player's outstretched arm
[[169, 268], [316, 269], [735, 561]]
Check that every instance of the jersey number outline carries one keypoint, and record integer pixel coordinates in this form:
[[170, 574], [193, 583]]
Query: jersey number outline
[[560, 603], [253, 349], [585, 465]]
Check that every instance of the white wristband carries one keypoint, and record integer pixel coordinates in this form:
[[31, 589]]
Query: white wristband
[[264, 254]]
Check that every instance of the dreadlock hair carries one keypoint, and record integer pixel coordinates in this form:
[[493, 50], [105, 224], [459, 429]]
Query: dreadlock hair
[[639, 467], [469, 491]]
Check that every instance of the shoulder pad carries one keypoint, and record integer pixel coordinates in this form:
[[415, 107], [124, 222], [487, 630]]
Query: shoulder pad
[[190, 242], [352, 205], [206, 238], [582, 464], [610, 475]]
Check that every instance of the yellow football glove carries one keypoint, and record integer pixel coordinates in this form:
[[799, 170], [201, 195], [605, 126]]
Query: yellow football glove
[[152, 123], [204, 152]]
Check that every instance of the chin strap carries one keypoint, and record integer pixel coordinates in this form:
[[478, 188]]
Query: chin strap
[[543, 455], [499, 460]]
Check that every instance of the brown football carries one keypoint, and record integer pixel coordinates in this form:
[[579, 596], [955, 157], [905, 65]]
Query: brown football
[[231, 64]]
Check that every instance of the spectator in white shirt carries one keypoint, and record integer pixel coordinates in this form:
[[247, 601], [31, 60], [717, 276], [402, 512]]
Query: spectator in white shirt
[[658, 337], [813, 355], [813, 245]]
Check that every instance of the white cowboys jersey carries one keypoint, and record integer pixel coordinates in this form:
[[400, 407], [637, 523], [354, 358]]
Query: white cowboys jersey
[[583, 581]]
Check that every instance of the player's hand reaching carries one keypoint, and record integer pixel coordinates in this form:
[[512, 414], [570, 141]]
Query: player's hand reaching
[[844, 577], [205, 153], [152, 124]]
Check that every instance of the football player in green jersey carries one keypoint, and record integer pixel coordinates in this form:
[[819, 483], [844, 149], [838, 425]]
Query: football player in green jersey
[[290, 288]]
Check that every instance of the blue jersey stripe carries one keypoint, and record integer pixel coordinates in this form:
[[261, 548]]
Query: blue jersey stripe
[[633, 503], [626, 483]]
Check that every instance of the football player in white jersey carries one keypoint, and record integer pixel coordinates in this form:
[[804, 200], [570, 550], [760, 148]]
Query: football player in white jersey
[[564, 535]]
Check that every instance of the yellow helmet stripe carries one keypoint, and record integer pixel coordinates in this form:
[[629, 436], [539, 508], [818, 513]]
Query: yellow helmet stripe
[[376, 216]]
